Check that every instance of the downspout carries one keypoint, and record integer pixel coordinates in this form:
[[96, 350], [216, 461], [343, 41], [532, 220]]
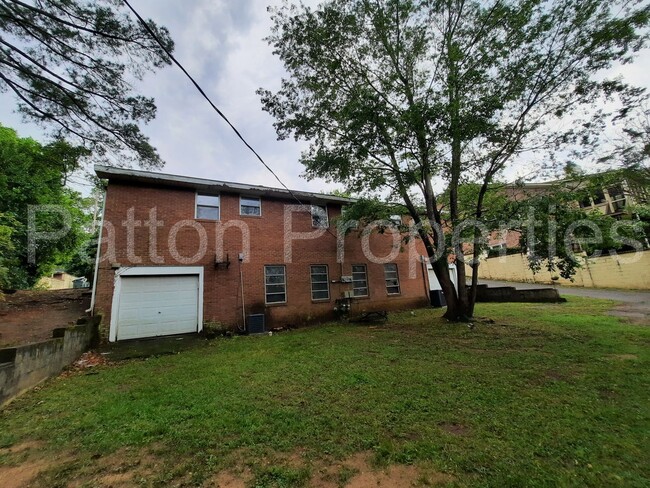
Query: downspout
[[425, 279], [241, 282], [99, 246]]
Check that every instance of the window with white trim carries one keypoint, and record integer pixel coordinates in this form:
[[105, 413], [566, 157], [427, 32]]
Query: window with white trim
[[275, 284], [207, 207], [320, 285], [250, 206], [396, 219], [319, 216], [359, 280], [392, 278]]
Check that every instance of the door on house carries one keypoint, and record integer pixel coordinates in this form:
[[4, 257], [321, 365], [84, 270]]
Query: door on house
[[151, 306]]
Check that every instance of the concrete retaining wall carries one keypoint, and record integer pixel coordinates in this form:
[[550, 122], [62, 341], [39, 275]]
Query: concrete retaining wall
[[511, 294], [629, 271], [24, 367]]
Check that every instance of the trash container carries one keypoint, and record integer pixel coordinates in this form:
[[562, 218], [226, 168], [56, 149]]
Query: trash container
[[437, 298]]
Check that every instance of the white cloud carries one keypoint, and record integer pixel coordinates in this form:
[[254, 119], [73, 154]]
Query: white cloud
[[221, 44]]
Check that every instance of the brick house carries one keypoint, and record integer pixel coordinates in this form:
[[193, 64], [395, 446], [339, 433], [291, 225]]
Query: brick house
[[177, 252]]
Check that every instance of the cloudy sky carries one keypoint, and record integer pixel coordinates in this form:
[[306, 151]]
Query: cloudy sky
[[221, 44]]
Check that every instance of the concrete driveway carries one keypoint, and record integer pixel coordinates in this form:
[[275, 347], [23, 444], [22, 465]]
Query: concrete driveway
[[635, 305]]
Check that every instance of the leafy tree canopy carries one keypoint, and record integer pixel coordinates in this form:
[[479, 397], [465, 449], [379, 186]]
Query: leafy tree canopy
[[33, 174], [632, 146], [394, 93], [71, 65]]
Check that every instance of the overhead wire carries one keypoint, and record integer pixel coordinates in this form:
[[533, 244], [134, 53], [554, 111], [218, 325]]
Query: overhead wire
[[155, 37]]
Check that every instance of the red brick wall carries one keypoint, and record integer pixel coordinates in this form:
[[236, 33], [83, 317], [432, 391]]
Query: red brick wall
[[222, 290]]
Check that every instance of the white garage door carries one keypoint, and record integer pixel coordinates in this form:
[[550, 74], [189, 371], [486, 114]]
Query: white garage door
[[152, 306]]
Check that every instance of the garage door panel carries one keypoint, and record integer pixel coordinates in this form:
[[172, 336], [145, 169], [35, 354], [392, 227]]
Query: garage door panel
[[157, 305]]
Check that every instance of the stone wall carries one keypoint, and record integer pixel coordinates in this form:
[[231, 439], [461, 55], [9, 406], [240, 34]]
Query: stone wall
[[24, 367]]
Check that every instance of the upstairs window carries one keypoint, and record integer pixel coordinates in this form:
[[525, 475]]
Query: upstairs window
[[392, 279], [250, 206], [359, 280], [320, 287], [275, 284], [207, 207], [319, 216]]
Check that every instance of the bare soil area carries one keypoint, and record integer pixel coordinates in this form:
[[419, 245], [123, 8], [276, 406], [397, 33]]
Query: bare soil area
[[30, 316], [28, 465]]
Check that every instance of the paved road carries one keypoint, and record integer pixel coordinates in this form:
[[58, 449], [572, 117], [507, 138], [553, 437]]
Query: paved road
[[635, 304]]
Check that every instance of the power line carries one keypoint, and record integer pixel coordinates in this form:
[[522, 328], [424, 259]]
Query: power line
[[198, 87], [212, 104]]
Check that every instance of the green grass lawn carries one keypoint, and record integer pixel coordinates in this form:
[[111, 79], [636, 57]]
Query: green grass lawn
[[547, 395]]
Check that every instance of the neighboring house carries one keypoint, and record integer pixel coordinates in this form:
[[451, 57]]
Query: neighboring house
[[177, 252], [59, 280]]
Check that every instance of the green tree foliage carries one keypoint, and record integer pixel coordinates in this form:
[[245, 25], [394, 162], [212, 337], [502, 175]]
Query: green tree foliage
[[394, 93], [560, 233], [33, 174], [632, 147], [82, 261], [6, 247], [71, 66]]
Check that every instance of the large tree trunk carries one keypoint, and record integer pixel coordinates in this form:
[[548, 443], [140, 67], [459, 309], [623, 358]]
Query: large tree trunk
[[457, 309]]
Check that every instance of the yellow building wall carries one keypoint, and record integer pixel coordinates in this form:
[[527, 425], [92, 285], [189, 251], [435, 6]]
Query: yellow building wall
[[52, 283], [628, 270]]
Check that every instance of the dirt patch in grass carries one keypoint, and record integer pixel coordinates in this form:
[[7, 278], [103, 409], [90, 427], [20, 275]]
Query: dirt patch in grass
[[622, 357], [555, 375], [398, 475], [22, 447], [357, 472], [30, 464], [26, 461], [23, 474], [120, 469], [455, 429], [544, 378], [226, 479]]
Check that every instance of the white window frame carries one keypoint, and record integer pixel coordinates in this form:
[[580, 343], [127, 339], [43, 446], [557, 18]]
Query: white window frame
[[386, 278], [327, 218], [395, 219], [152, 271], [367, 287], [284, 283], [196, 206], [327, 281], [259, 199]]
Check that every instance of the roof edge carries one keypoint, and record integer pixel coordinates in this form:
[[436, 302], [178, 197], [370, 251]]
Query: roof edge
[[112, 173]]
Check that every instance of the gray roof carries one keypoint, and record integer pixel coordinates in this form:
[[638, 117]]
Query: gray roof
[[111, 173]]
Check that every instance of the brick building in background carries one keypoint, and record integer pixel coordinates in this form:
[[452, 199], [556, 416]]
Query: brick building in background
[[177, 252], [610, 193]]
